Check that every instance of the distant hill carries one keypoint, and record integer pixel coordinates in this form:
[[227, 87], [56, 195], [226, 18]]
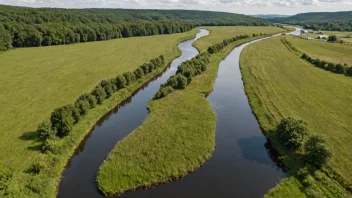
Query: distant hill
[[30, 27], [338, 21], [269, 16]]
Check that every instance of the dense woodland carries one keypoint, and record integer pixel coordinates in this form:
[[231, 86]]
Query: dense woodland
[[335, 21], [30, 27]]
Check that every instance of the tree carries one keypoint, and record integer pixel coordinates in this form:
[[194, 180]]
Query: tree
[[164, 91], [340, 69], [99, 94], [5, 39], [139, 73], [130, 77], [89, 98], [75, 112], [83, 106], [317, 152], [291, 133], [181, 81], [45, 131], [349, 71], [332, 38], [62, 120], [120, 82]]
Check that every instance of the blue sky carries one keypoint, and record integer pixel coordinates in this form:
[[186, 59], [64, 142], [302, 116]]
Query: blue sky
[[236, 6]]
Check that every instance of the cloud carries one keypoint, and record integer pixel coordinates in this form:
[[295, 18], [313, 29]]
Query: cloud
[[220, 5]]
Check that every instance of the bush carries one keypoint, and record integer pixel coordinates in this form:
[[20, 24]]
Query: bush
[[45, 131], [291, 133], [139, 73], [51, 146], [130, 77], [332, 38], [75, 112], [164, 91], [62, 120], [318, 154], [120, 82], [340, 69], [6, 174], [36, 167], [89, 98], [349, 71], [83, 106], [99, 94]]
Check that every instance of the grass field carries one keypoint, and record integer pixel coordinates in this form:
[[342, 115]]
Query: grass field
[[37, 80], [178, 135], [218, 34], [332, 52], [278, 84]]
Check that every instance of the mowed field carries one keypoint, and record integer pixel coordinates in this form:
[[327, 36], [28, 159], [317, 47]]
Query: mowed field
[[279, 84], [218, 34], [332, 52], [34, 81]]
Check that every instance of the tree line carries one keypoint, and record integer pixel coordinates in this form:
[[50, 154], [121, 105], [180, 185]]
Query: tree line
[[184, 74], [31, 27], [333, 21], [64, 118], [336, 68], [218, 47]]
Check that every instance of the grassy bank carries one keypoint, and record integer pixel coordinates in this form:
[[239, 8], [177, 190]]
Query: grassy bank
[[331, 52], [177, 136], [218, 34], [22, 150], [279, 84]]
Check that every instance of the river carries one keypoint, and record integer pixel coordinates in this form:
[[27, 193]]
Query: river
[[241, 165]]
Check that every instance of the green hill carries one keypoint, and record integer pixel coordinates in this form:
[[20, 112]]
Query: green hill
[[337, 21], [30, 27]]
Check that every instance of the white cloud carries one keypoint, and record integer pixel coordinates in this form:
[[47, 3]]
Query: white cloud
[[240, 6]]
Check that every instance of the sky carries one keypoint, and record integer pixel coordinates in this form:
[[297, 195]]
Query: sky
[[285, 7]]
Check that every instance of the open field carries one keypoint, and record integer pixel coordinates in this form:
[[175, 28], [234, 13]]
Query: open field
[[218, 34], [45, 84], [331, 52], [34, 81], [159, 137], [278, 84]]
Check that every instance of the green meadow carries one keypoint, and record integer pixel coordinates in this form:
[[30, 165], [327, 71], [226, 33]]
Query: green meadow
[[279, 84]]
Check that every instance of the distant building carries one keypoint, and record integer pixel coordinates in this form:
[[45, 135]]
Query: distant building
[[318, 32], [310, 38], [304, 32], [322, 37]]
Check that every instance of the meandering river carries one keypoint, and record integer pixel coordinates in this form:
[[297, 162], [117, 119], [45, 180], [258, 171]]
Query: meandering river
[[240, 166]]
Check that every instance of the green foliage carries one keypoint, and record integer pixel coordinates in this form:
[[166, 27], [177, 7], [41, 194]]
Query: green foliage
[[45, 131], [291, 133], [5, 39], [130, 77], [99, 94], [332, 38], [36, 167], [121, 82], [337, 21], [218, 47], [52, 26], [139, 73], [51, 145], [163, 91], [109, 87], [75, 112], [83, 106], [336, 68], [91, 99], [318, 153], [6, 174], [62, 120]]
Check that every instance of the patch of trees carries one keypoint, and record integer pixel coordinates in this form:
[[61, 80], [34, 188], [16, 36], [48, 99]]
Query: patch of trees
[[332, 38], [333, 21], [336, 68], [31, 27], [64, 118], [218, 47], [293, 135], [185, 72]]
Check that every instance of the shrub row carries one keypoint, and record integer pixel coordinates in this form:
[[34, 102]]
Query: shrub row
[[289, 45], [62, 119], [336, 68], [184, 74], [217, 47]]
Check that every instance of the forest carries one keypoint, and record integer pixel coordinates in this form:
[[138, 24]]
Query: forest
[[335, 21], [32, 27]]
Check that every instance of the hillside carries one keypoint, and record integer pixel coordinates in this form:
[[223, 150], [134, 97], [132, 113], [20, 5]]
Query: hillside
[[269, 16], [29, 27], [338, 21]]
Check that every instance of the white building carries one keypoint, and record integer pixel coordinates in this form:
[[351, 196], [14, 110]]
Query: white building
[[322, 36], [304, 32]]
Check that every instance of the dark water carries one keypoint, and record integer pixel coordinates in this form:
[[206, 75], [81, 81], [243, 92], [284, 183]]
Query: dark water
[[241, 164], [79, 176]]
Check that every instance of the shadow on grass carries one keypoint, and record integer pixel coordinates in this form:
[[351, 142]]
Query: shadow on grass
[[29, 136]]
